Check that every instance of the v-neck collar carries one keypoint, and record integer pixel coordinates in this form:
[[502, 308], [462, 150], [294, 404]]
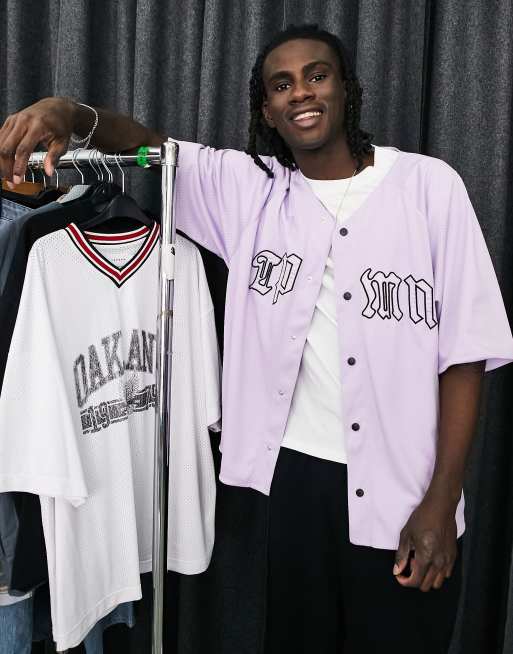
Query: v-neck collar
[[85, 244], [303, 198]]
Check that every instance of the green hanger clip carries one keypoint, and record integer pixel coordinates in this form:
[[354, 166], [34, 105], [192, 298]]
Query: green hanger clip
[[142, 156]]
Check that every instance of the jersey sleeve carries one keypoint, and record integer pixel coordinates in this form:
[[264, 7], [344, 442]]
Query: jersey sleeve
[[210, 351], [219, 192], [38, 451], [212, 363], [473, 325]]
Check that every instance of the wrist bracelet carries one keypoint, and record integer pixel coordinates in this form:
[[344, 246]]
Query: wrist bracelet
[[86, 139]]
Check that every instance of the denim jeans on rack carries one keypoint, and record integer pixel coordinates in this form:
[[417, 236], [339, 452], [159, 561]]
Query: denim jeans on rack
[[19, 625], [16, 627]]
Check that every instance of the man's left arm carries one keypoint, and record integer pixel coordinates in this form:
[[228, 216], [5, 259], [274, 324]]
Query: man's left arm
[[431, 529]]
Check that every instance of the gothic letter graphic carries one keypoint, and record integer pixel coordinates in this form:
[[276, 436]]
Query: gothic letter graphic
[[288, 273], [274, 272], [382, 295], [420, 298], [264, 262]]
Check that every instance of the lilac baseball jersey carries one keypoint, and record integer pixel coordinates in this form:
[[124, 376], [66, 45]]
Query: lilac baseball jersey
[[416, 293]]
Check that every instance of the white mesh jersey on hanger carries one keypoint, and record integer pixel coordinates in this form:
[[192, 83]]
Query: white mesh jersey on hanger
[[77, 416]]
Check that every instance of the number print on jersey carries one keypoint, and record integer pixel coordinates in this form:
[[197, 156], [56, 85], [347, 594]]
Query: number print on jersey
[[383, 299], [275, 273]]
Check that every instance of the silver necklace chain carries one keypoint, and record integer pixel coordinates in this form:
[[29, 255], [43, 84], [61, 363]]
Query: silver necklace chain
[[344, 196]]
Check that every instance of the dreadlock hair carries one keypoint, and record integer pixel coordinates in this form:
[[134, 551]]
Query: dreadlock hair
[[359, 141]]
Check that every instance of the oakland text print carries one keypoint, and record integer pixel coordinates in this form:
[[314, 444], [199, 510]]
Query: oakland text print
[[382, 293], [275, 273], [105, 363]]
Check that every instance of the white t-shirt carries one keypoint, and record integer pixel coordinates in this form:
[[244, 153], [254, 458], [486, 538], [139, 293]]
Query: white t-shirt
[[77, 416], [315, 424]]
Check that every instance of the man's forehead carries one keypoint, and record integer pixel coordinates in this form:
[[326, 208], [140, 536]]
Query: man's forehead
[[296, 53]]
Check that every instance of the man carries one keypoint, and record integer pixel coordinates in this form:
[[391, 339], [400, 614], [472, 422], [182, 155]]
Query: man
[[355, 344]]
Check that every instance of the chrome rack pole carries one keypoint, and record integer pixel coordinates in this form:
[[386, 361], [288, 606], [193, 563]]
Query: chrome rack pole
[[169, 162], [74, 158]]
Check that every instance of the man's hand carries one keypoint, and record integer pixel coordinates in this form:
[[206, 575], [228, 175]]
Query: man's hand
[[431, 533], [49, 122]]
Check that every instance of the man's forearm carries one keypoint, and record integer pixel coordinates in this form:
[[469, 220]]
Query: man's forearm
[[115, 132], [460, 394], [51, 121]]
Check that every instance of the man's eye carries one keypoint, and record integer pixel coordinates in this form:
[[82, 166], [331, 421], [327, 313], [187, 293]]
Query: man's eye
[[321, 75], [279, 87]]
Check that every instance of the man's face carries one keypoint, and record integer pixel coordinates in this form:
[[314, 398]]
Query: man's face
[[303, 75]]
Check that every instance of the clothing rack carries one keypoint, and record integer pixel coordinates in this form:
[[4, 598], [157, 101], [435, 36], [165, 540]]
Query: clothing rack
[[74, 158], [167, 157]]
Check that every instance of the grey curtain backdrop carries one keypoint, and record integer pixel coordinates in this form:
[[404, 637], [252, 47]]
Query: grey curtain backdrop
[[437, 78]]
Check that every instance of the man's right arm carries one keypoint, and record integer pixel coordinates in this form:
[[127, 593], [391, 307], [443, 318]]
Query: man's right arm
[[51, 122], [221, 191]]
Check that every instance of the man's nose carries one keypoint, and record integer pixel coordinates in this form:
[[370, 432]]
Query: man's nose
[[301, 91]]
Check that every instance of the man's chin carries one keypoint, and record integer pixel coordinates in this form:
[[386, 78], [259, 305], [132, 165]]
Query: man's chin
[[308, 144]]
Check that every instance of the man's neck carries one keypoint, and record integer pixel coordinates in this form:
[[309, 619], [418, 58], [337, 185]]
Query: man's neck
[[332, 161]]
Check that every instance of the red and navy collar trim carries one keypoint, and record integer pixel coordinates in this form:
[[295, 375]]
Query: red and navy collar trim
[[84, 242]]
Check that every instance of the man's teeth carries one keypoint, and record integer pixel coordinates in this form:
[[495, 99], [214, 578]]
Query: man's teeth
[[307, 114]]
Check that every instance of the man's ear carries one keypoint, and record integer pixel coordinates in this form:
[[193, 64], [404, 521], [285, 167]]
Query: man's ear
[[266, 114]]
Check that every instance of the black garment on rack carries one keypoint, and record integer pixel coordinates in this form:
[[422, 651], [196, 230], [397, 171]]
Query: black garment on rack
[[32, 201]]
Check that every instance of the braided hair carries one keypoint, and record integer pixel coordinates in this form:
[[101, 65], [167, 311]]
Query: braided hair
[[359, 141]]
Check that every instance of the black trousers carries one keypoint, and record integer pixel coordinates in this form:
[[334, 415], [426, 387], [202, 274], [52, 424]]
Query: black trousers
[[327, 596]]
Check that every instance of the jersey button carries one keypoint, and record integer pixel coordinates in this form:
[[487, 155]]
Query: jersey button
[[343, 231], [351, 361], [355, 426], [280, 392], [360, 492], [347, 295]]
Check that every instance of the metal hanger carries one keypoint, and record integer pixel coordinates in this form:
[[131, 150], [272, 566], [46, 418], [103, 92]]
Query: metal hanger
[[118, 203]]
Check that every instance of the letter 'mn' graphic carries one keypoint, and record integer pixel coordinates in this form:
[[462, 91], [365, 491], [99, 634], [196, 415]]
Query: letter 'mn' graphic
[[274, 272], [382, 295], [421, 301]]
